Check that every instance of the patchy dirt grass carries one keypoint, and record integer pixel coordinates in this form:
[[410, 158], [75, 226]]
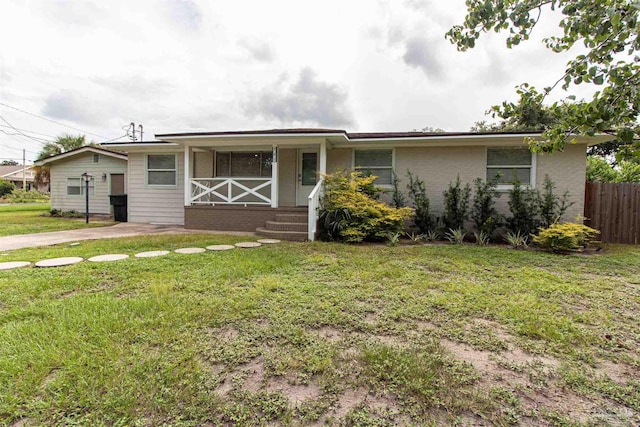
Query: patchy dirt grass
[[321, 334]]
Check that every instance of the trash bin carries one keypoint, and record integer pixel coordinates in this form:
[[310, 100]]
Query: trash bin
[[119, 203]]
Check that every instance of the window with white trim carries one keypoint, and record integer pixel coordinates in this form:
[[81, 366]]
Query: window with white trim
[[244, 164], [505, 165], [162, 169], [76, 186], [375, 162]]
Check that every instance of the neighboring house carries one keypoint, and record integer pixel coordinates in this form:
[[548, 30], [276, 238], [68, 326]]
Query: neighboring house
[[14, 174], [108, 169], [268, 180]]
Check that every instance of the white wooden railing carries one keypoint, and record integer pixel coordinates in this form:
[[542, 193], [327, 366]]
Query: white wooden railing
[[230, 191], [314, 208]]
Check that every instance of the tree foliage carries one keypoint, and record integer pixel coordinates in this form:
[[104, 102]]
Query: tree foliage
[[599, 170], [608, 29], [62, 144], [8, 163]]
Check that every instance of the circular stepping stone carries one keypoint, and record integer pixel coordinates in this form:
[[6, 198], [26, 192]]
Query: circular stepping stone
[[59, 262], [248, 244], [109, 257], [268, 241], [151, 254], [14, 264], [220, 247], [189, 250]]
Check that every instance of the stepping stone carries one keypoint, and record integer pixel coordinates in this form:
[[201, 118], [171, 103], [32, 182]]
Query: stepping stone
[[189, 250], [151, 254], [109, 257], [59, 262], [14, 264], [220, 247], [248, 244], [268, 241]]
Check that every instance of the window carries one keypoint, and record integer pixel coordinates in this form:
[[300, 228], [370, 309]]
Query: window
[[161, 169], [375, 162], [244, 164], [505, 165], [75, 187], [96, 158]]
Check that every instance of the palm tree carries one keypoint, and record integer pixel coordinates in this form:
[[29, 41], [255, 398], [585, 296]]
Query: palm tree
[[61, 144]]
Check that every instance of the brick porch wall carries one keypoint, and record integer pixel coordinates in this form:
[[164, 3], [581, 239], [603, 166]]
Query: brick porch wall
[[233, 218]]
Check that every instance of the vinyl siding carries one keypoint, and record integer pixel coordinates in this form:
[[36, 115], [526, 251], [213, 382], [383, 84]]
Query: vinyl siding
[[152, 204], [74, 167]]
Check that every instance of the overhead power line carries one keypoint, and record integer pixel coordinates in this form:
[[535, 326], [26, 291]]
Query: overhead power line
[[23, 134], [52, 121], [30, 131]]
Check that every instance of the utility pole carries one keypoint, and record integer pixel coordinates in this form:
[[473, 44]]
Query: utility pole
[[24, 176]]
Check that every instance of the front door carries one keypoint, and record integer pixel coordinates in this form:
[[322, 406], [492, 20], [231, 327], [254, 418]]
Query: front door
[[307, 175], [117, 183]]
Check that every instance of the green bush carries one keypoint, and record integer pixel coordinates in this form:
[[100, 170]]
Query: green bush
[[524, 204], [456, 205], [350, 210], [565, 237], [418, 194], [22, 196], [483, 212], [6, 187], [552, 207]]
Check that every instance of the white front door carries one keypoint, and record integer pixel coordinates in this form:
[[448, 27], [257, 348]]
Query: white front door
[[307, 175]]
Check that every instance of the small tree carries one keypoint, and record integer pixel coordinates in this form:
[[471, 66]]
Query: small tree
[[524, 205], [418, 195], [552, 207], [456, 205], [399, 200], [6, 187], [483, 212]]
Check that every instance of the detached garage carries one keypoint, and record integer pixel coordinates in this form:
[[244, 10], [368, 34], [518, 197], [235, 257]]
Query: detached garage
[[108, 171]]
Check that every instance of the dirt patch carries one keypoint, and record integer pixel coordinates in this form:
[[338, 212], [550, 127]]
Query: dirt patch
[[370, 319], [329, 333], [254, 374], [296, 393], [618, 372]]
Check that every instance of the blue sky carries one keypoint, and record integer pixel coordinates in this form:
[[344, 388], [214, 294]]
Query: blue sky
[[194, 65]]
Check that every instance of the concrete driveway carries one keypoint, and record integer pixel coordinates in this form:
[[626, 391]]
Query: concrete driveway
[[125, 229]]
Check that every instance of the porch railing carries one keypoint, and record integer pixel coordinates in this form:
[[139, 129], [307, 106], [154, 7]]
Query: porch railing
[[314, 209], [230, 191]]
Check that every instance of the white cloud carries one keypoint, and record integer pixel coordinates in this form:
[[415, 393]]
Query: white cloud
[[195, 64]]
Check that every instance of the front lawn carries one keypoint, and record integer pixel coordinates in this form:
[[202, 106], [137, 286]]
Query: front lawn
[[320, 334], [31, 218]]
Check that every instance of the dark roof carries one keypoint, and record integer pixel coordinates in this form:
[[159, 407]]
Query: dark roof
[[254, 132], [350, 135], [120, 143], [373, 135]]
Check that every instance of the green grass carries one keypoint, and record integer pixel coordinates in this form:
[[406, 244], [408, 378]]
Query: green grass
[[234, 337], [30, 218]]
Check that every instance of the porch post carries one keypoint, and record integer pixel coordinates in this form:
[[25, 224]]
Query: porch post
[[274, 176], [187, 175], [323, 158]]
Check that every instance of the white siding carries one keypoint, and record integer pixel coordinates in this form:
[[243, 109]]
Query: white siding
[[153, 204], [74, 167]]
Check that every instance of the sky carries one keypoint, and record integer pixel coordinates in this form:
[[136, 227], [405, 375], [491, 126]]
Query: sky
[[92, 67]]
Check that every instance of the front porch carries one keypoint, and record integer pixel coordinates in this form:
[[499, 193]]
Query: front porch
[[274, 192]]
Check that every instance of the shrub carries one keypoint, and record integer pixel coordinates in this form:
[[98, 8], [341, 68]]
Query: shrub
[[22, 196], [565, 237], [456, 205], [456, 236], [351, 212], [418, 194], [399, 200], [483, 212], [516, 240], [6, 187], [482, 238], [524, 205], [552, 207]]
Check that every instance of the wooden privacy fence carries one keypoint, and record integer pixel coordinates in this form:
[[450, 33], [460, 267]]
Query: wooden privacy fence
[[614, 209]]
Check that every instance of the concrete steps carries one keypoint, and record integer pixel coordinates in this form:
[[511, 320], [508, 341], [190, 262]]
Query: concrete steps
[[288, 226]]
